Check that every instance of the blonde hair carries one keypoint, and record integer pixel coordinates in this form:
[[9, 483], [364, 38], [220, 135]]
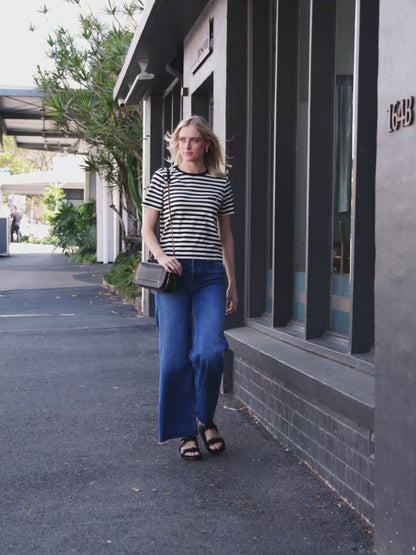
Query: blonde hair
[[214, 157]]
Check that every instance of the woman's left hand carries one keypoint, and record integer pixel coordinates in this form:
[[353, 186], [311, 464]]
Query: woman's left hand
[[232, 301]]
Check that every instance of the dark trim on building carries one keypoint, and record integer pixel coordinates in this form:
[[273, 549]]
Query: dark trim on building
[[260, 131], [363, 219], [236, 128], [319, 209]]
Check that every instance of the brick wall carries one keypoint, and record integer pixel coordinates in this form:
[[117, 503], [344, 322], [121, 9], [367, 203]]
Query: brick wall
[[341, 451]]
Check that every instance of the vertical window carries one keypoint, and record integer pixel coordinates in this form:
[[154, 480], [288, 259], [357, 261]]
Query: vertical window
[[211, 109], [172, 106], [203, 100], [172, 110], [259, 163], [342, 172], [269, 175], [301, 162]]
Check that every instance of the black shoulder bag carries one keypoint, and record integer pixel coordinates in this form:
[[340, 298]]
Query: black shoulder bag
[[152, 275]]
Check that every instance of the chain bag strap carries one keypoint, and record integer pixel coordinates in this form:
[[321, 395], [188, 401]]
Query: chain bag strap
[[170, 212], [152, 275]]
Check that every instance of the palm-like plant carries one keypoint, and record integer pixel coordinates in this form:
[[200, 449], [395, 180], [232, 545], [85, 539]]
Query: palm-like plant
[[73, 229]]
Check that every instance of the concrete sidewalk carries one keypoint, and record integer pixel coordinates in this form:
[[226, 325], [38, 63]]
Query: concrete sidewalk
[[81, 467]]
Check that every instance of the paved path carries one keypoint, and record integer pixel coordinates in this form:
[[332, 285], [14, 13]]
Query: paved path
[[81, 468]]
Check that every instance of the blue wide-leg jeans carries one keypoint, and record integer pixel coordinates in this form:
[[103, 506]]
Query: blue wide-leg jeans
[[191, 346]]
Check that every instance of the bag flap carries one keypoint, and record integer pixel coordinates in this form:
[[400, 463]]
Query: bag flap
[[149, 274]]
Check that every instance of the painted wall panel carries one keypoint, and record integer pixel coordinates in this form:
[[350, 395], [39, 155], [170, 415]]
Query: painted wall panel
[[395, 286]]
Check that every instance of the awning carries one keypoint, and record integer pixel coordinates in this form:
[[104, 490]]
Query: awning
[[22, 115], [157, 42], [35, 182]]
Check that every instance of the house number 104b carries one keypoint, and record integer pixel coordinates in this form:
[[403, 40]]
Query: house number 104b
[[400, 114]]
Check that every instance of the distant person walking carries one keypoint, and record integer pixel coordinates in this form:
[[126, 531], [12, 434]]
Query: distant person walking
[[16, 217]]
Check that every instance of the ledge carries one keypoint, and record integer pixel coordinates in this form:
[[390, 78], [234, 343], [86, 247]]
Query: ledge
[[342, 388]]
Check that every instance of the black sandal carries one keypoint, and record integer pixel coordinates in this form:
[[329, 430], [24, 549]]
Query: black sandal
[[190, 453], [208, 442]]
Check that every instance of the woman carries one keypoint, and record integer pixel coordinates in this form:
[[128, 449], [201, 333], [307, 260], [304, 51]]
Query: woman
[[191, 320]]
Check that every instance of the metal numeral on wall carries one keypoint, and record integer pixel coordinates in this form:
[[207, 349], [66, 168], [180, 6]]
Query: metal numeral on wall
[[400, 114]]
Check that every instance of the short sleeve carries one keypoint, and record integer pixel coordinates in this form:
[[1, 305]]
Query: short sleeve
[[154, 194], [227, 205]]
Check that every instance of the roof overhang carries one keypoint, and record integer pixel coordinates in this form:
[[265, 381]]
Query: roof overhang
[[22, 115], [35, 182], [158, 40]]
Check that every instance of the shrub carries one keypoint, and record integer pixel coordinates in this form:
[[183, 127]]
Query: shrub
[[122, 273], [74, 229]]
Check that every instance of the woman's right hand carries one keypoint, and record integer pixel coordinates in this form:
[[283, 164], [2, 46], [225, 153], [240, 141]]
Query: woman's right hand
[[171, 264]]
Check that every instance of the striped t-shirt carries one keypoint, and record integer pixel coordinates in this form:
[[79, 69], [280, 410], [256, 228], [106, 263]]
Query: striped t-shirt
[[196, 201]]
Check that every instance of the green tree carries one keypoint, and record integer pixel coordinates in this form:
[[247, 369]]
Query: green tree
[[20, 160], [14, 158], [52, 199], [79, 98]]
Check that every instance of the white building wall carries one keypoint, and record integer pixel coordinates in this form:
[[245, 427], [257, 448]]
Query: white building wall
[[107, 224], [146, 143]]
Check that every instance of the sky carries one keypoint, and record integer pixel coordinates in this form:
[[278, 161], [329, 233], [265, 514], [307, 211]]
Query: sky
[[21, 50]]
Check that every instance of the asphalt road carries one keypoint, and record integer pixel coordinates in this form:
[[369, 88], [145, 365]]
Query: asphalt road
[[81, 467]]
